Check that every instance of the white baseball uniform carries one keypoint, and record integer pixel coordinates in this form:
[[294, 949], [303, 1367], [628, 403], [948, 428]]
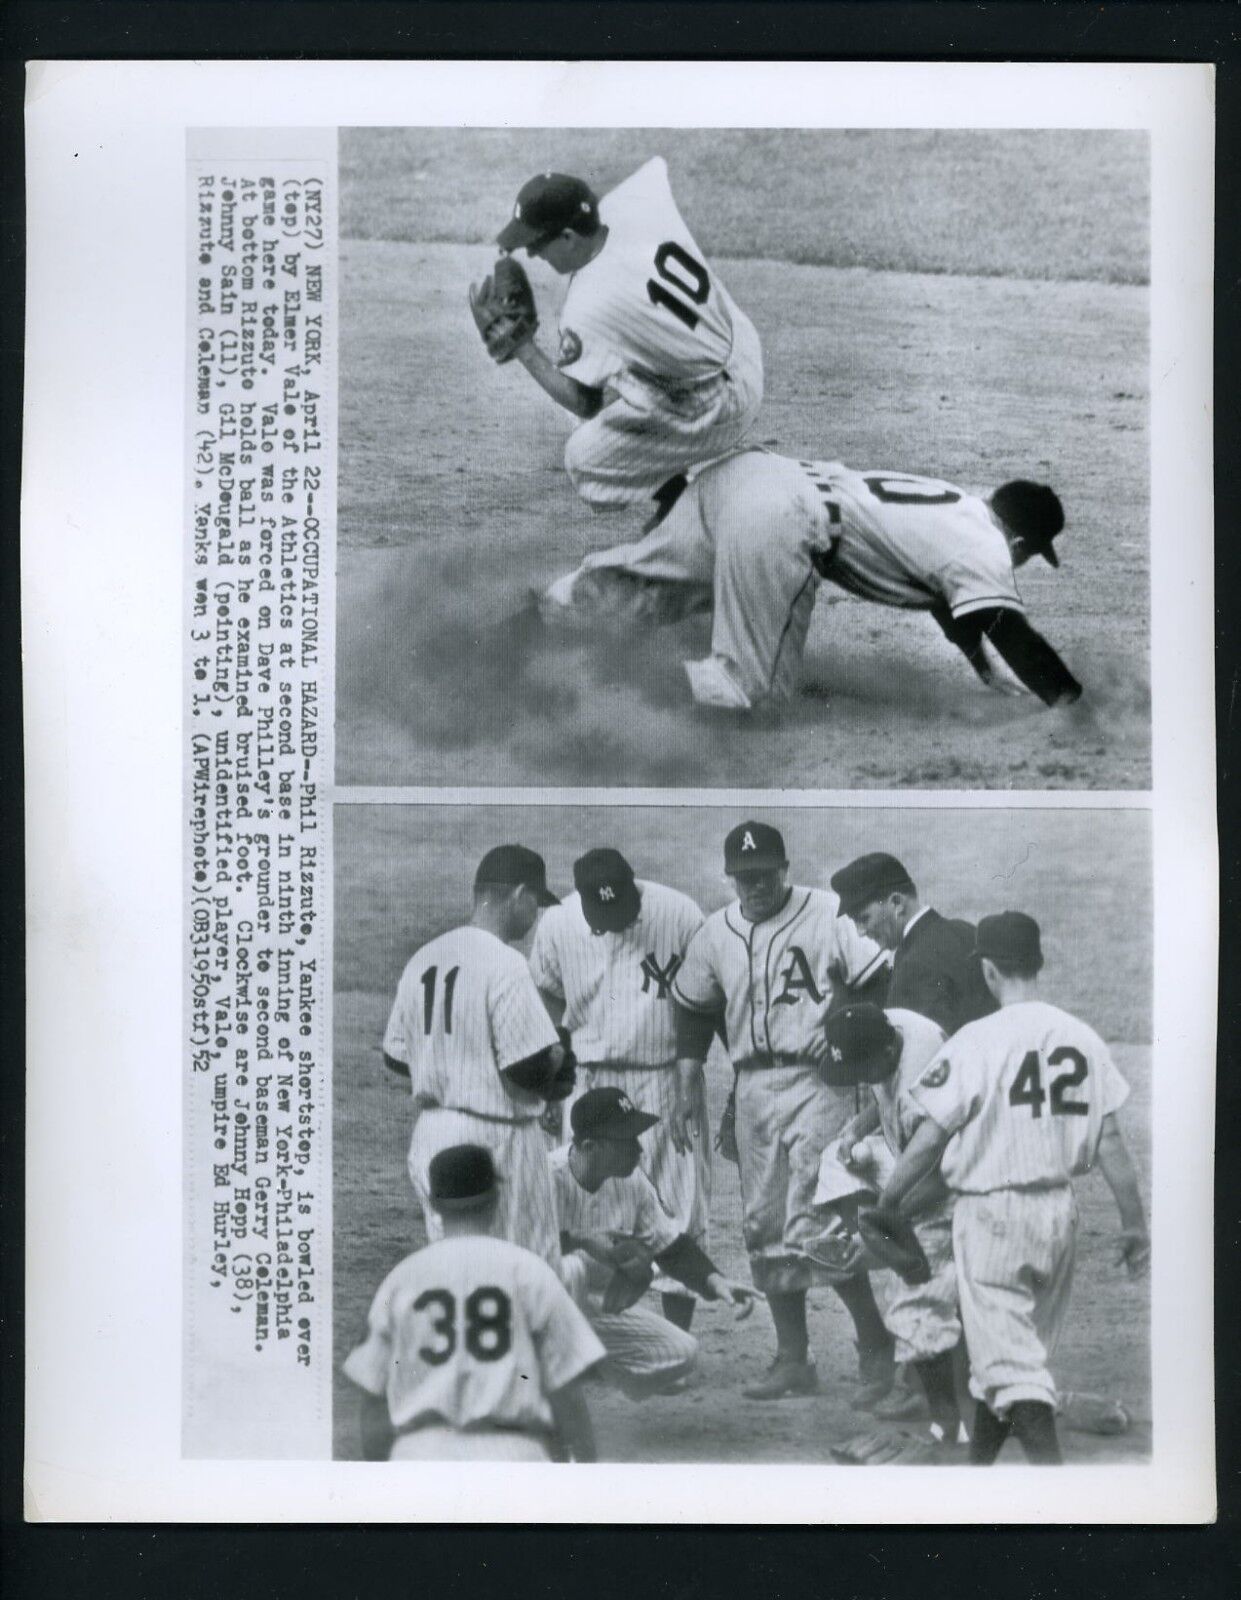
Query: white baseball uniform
[[650, 323], [753, 536], [923, 1318], [466, 1008], [1024, 1093], [646, 1352], [466, 1339], [774, 981], [616, 989]]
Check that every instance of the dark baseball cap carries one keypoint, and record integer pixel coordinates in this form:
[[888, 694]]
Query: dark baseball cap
[[608, 1114], [859, 1040], [605, 882], [546, 206], [869, 878], [1010, 936], [1032, 510], [462, 1178], [753, 847], [510, 864]]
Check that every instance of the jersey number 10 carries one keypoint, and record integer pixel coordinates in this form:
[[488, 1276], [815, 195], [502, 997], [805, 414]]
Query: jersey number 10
[[1027, 1088], [690, 278]]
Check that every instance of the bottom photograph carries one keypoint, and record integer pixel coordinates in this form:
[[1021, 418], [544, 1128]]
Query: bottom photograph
[[685, 1133]]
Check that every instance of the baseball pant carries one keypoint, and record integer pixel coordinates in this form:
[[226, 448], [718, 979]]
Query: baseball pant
[[786, 1116], [1014, 1252], [526, 1207], [646, 1352], [651, 431], [455, 1444]]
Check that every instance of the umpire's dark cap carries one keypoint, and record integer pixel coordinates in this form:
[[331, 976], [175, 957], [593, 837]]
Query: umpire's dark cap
[[1032, 510], [859, 1046], [546, 206], [1011, 936], [511, 864], [754, 847], [608, 1114], [462, 1178], [609, 895], [867, 879]]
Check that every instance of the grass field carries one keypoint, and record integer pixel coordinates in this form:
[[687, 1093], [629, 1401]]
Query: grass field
[[403, 876], [971, 305]]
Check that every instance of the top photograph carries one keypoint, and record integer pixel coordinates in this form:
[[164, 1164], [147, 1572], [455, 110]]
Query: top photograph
[[779, 459]]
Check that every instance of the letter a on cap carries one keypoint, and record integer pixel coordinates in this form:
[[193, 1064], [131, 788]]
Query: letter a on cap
[[748, 842]]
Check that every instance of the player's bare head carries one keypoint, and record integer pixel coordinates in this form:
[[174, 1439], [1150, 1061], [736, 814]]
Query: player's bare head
[[862, 1047], [510, 887], [556, 218], [464, 1188], [609, 894], [1032, 516], [1010, 948], [607, 1128], [757, 864], [879, 895]]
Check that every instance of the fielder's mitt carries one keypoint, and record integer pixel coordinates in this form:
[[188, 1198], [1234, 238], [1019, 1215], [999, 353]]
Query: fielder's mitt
[[885, 1450], [564, 1080], [504, 309], [893, 1244], [726, 1137], [627, 1285]]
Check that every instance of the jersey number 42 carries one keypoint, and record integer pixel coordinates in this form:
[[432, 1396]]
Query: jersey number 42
[[1027, 1087]]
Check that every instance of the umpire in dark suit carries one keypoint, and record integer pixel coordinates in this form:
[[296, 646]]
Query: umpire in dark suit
[[935, 970]]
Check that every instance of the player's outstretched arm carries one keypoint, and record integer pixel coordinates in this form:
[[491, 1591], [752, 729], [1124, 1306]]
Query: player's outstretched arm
[[1116, 1165], [376, 1427], [967, 634], [579, 398], [920, 1157], [573, 1422], [1030, 656]]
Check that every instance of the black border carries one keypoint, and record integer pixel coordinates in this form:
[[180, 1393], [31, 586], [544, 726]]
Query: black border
[[190, 1560]]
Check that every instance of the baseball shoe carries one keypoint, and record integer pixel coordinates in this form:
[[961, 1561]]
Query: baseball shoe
[[903, 1404], [784, 1377], [713, 686], [876, 1372]]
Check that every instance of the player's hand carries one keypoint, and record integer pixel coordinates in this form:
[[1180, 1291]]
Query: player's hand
[[1135, 1252], [628, 1254], [743, 1297], [683, 1127], [551, 1119]]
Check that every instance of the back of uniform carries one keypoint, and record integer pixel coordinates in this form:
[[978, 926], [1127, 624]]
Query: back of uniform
[[467, 1339]]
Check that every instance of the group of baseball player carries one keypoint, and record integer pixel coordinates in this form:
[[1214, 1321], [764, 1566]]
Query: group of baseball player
[[664, 373], [906, 1113]]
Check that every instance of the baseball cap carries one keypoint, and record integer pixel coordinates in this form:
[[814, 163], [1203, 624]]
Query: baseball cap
[[547, 205], [605, 882], [608, 1114], [869, 878], [1010, 936], [510, 864], [1034, 511], [857, 1039], [754, 846], [461, 1177]]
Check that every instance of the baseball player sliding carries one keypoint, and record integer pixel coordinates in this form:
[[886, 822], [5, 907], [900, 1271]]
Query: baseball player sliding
[[753, 537], [604, 961], [614, 1232], [656, 360], [1014, 1107], [473, 1350], [469, 1031], [768, 967]]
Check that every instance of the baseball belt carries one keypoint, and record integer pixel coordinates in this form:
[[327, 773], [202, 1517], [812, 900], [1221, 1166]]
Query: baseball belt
[[487, 1116], [627, 1066]]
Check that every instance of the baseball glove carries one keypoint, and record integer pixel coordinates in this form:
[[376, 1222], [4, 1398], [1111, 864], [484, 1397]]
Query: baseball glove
[[504, 309], [726, 1137], [893, 1244], [885, 1450], [837, 1250], [627, 1285], [564, 1080]]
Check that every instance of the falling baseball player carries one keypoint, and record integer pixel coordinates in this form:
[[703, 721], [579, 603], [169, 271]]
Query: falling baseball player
[[474, 1349], [655, 358], [753, 537], [604, 961], [1014, 1107], [768, 967], [614, 1235], [482, 1056]]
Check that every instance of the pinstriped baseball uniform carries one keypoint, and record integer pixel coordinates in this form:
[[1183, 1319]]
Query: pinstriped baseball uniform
[[616, 988], [472, 1335], [466, 1008], [646, 1352], [1024, 1093], [648, 320], [775, 980]]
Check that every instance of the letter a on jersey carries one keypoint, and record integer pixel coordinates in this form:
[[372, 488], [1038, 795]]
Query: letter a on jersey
[[798, 976]]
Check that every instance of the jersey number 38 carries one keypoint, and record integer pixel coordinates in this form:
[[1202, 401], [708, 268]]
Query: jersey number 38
[[485, 1329]]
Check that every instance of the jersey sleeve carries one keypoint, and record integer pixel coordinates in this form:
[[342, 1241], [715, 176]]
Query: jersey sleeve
[[947, 1089], [1113, 1089], [566, 1343], [545, 957], [370, 1363], [980, 577], [396, 1034], [697, 985], [655, 1227], [689, 920], [520, 1025]]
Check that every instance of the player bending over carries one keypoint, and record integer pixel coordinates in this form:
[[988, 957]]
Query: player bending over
[[656, 360], [754, 536], [614, 1233], [474, 1350]]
